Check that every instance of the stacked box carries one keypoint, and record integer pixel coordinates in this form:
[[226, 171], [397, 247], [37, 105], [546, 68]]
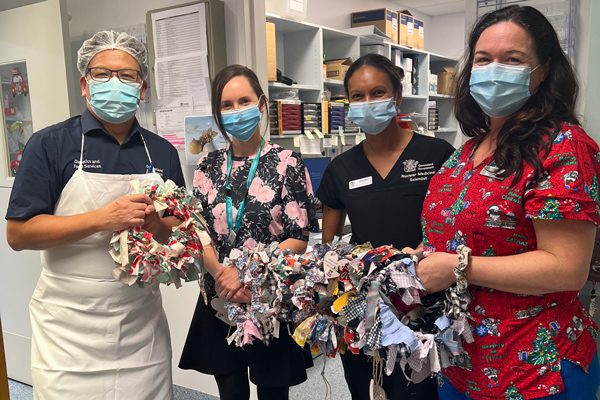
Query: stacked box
[[407, 66], [433, 83], [406, 28], [311, 117], [273, 125], [446, 80], [337, 116], [336, 69], [349, 126], [419, 34], [433, 117], [289, 117], [410, 63], [384, 19]]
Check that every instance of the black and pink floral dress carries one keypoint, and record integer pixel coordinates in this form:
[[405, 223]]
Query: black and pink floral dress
[[279, 206]]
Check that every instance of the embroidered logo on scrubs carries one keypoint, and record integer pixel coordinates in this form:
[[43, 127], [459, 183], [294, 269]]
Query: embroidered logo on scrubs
[[410, 165], [88, 164]]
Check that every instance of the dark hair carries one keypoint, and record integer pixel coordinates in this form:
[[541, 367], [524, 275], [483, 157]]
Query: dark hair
[[536, 124], [396, 74], [219, 82]]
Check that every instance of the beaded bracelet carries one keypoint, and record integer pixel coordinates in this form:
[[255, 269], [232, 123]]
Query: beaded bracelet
[[460, 271]]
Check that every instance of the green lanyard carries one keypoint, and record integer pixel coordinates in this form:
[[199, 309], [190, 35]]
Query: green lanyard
[[229, 202]]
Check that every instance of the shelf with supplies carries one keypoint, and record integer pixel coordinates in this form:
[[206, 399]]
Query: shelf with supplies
[[446, 130], [283, 86], [317, 57], [440, 96]]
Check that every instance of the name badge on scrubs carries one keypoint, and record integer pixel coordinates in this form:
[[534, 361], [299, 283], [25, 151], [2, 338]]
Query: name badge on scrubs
[[362, 182]]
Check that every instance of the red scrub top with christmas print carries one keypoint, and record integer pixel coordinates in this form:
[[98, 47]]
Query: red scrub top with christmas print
[[519, 339]]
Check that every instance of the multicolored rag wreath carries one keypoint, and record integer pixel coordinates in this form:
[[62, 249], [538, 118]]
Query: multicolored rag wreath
[[141, 259], [343, 297]]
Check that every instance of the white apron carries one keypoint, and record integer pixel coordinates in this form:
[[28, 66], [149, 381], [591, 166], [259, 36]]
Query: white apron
[[92, 336]]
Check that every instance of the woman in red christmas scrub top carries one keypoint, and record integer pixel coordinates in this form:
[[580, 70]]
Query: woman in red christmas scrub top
[[522, 199]]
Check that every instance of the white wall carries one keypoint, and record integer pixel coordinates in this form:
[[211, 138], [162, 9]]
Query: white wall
[[42, 49], [445, 35]]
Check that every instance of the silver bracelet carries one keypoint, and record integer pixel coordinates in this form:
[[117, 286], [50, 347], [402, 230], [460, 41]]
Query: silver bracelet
[[460, 271]]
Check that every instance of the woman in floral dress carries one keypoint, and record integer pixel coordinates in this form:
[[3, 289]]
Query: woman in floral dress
[[252, 192]]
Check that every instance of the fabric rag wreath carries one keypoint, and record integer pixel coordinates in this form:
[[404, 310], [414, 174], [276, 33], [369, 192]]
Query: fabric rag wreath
[[341, 297], [141, 259]]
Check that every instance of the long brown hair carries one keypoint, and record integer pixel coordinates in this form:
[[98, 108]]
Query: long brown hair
[[536, 124]]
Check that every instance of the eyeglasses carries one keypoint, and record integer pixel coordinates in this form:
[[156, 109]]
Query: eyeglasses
[[125, 75]]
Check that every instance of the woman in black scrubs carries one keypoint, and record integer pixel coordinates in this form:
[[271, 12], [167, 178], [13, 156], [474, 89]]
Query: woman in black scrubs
[[253, 191], [380, 184]]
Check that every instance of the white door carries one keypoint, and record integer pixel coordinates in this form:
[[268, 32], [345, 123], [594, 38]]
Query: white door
[[33, 34]]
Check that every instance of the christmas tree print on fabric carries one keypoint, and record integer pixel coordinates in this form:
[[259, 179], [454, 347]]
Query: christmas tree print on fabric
[[457, 207], [544, 351], [452, 162], [592, 190], [513, 394], [550, 210]]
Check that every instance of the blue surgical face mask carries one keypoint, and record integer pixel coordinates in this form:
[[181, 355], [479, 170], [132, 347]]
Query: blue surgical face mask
[[114, 101], [500, 89], [241, 123], [372, 116]]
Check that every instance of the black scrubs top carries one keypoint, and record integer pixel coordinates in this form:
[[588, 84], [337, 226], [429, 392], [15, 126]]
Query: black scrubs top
[[51, 157], [384, 211]]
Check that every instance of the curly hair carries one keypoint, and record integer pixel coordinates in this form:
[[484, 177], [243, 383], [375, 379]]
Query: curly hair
[[533, 128]]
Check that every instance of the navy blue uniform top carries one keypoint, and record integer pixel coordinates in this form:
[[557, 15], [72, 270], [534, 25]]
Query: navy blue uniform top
[[384, 211], [51, 157]]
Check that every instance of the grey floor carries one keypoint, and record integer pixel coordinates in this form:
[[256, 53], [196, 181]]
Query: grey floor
[[313, 388], [20, 391]]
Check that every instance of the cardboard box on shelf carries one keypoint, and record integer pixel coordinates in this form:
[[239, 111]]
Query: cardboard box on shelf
[[271, 53], [419, 34], [406, 28], [336, 69], [446, 80], [383, 18]]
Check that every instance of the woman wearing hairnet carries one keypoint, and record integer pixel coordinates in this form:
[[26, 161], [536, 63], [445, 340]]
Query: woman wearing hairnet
[[92, 336]]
